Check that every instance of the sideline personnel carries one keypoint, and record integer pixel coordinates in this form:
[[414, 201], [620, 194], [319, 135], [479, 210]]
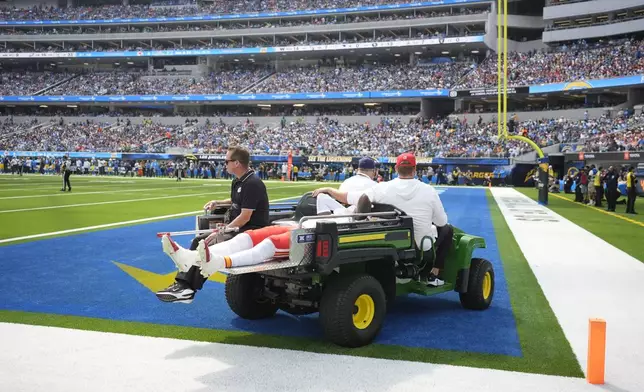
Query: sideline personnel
[[66, 173], [631, 191], [418, 200], [249, 210]]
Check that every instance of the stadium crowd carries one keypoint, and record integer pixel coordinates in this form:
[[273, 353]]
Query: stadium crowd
[[28, 83], [564, 64], [313, 21], [151, 11], [579, 61], [127, 83], [368, 78], [449, 137]]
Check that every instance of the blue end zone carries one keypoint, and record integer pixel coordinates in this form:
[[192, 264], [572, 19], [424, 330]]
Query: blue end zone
[[76, 275]]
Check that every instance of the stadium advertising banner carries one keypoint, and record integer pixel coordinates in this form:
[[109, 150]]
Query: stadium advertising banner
[[588, 84], [253, 15], [223, 97], [237, 51], [627, 157], [484, 92]]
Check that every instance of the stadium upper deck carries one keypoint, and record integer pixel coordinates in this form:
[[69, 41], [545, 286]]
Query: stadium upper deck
[[234, 55]]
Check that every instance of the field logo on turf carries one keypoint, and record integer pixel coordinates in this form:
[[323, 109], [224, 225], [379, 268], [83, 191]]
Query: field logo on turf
[[155, 282]]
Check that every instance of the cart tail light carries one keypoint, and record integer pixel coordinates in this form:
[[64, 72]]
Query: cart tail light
[[323, 248]]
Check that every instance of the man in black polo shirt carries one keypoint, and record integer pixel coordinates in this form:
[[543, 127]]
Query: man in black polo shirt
[[249, 210]]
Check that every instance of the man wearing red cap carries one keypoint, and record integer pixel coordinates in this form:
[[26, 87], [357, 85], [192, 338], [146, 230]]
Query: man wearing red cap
[[416, 199]]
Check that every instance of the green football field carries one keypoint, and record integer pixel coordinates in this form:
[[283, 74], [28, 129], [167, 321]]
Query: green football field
[[31, 208]]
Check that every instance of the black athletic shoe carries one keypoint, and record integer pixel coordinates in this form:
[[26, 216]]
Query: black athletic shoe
[[177, 292], [434, 281], [363, 207]]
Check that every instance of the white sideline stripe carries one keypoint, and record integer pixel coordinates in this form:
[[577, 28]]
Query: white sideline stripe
[[583, 277], [88, 228], [109, 202], [115, 224], [124, 190], [105, 192], [183, 365]]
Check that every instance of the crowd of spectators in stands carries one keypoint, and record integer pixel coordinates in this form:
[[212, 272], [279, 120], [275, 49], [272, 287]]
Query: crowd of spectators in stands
[[196, 26], [563, 64], [566, 63], [151, 11], [448, 137]]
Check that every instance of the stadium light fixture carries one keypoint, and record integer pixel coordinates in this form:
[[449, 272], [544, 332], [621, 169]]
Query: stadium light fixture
[[298, 105], [475, 51], [371, 104], [72, 106], [130, 63], [44, 106], [418, 52], [263, 105], [445, 52], [368, 54], [397, 54]]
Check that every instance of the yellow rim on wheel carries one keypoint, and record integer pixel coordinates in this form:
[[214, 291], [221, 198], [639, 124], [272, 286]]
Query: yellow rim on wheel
[[487, 285], [365, 309]]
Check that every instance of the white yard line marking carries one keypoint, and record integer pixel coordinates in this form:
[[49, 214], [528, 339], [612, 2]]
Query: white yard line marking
[[583, 277], [104, 226], [184, 365], [103, 192], [110, 202], [115, 224]]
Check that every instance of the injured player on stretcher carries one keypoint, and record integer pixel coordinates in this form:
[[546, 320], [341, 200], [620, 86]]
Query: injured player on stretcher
[[255, 246]]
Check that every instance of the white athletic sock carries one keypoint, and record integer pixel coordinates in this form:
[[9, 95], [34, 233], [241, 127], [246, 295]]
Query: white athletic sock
[[238, 243], [256, 255]]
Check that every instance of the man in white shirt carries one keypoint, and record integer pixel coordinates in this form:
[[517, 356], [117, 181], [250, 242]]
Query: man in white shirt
[[361, 181], [363, 178], [416, 199]]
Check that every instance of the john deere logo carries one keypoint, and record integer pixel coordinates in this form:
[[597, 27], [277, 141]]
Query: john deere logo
[[577, 85]]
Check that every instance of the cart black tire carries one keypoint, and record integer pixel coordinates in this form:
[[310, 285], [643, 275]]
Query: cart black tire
[[480, 288], [245, 298], [344, 321]]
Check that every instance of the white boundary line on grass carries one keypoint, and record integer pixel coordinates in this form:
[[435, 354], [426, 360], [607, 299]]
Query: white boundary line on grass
[[120, 201], [59, 194], [115, 224], [583, 277], [110, 202]]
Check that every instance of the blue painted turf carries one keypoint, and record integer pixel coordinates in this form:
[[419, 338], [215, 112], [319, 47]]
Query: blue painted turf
[[75, 275]]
